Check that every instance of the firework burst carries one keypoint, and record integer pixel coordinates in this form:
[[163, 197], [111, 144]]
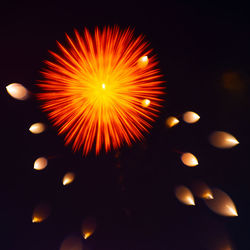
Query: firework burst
[[94, 88]]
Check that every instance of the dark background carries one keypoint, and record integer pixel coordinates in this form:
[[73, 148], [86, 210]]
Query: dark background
[[204, 52]]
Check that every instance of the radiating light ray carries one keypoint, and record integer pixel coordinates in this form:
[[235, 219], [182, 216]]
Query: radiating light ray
[[37, 128], [202, 190], [222, 204], [190, 117], [40, 163], [171, 121], [221, 139], [41, 212], [184, 195], [17, 91], [189, 160], [88, 227], [68, 178], [93, 90]]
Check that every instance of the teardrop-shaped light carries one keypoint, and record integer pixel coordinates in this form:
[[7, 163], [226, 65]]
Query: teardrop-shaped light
[[221, 139], [222, 204], [184, 195], [190, 117], [189, 160], [68, 178], [171, 121], [202, 190], [40, 163], [17, 91], [88, 227], [41, 212], [37, 128], [143, 62], [145, 103]]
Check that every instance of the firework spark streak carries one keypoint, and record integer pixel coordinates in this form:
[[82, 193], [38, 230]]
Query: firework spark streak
[[94, 88]]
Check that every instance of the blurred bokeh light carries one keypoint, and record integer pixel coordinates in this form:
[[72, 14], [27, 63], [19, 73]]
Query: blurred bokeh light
[[68, 178], [222, 204], [41, 212], [88, 227], [189, 160], [171, 121], [221, 139], [190, 117], [72, 243], [37, 128], [202, 190], [17, 91], [184, 195], [40, 163]]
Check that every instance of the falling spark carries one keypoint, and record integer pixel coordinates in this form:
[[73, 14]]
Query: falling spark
[[17, 91], [72, 243], [222, 204], [37, 128], [190, 117], [202, 190], [184, 195], [143, 62], [93, 91], [41, 212], [68, 178], [40, 163], [220, 139], [145, 103], [189, 160], [88, 227], [172, 121]]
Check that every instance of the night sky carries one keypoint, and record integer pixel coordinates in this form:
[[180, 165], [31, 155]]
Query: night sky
[[204, 53]]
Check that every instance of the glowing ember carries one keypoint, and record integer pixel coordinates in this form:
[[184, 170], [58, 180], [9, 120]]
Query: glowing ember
[[189, 160], [37, 128], [17, 91], [40, 163], [41, 212], [184, 195], [190, 117], [88, 227], [68, 178], [172, 121], [220, 139], [222, 204], [94, 89], [143, 62]]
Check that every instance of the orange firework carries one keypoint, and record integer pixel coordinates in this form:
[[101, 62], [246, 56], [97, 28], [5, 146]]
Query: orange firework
[[94, 90]]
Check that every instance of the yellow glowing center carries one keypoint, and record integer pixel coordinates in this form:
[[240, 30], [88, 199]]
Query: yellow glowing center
[[103, 86]]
